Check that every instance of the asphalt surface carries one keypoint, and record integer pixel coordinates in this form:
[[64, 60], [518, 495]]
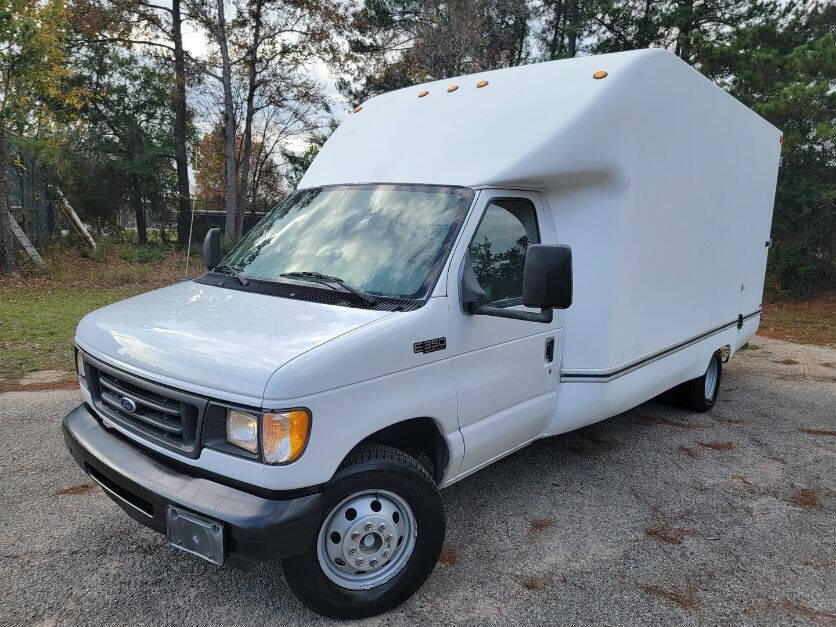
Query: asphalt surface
[[655, 516]]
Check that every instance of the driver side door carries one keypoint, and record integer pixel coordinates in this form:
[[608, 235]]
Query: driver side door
[[503, 369]]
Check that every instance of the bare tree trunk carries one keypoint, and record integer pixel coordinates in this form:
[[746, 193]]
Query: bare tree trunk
[[7, 244], [248, 123], [572, 20], [556, 39], [139, 210], [231, 195], [686, 25], [183, 194]]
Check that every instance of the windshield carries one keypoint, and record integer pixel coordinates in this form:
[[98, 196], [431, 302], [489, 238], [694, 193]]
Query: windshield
[[387, 240]]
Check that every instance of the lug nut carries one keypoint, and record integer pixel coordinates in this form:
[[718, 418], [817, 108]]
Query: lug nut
[[385, 553], [382, 528], [368, 527], [373, 563], [352, 551], [389, 539], [355, 536], [359, 562]]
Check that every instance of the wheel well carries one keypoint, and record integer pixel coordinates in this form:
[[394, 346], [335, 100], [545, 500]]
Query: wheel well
[[419, 438]]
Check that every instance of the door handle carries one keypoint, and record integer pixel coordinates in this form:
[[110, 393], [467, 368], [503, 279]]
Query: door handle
[[549, 350]]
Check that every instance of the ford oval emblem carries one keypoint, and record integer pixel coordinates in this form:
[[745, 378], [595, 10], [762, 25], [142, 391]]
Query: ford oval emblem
[[128, 405]]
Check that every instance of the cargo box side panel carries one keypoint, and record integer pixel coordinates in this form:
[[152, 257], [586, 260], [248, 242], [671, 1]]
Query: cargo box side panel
[[674, 244]]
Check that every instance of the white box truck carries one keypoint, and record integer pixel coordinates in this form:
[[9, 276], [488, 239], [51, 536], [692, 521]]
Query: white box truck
[[468, 265]]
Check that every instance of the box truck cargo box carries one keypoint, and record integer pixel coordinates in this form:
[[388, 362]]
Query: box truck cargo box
[[468, 265]]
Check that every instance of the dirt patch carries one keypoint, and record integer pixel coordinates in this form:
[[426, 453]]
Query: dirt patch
[[450, 556], [807, 322], [40, 387], [789, 361], [45, 376], [649, 421], [754, 488], [817, 431], [794, 607], [688, 452], [681, 598], [81, 488], [806, 498], [718, 446], [666, 534], [539, 524], [733, 421], [535, 583]]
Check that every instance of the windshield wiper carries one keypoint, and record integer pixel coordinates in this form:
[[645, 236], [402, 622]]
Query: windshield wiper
[[230, 270], [318, 277]]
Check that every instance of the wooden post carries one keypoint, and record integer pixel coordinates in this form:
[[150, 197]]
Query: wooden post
[[24, 241], [72, 216]]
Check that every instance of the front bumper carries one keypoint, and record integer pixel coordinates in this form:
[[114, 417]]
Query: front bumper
[[255, 528]]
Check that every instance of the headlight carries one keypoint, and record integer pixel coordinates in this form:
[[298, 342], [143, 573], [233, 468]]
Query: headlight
[[79, 366], [242, 430], [284, 435]]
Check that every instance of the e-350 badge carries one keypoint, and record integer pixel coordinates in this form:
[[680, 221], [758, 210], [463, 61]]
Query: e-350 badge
[[430, 346]]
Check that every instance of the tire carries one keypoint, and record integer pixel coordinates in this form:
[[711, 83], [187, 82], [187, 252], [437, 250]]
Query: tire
[[369, 476], [694, 394]]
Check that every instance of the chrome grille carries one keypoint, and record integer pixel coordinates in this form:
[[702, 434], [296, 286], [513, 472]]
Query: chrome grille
[[158, 413]]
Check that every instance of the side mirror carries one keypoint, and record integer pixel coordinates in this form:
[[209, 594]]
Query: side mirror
[[212, 248], [547, 284], [547, 279]]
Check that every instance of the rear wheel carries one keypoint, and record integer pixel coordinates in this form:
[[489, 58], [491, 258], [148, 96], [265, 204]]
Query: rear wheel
[[380, 535], [700, 394]]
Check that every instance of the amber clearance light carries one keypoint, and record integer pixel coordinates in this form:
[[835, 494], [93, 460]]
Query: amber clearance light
[[600, 74]]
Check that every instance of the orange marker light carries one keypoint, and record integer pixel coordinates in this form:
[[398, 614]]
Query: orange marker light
[[781, 139], [481, 83], [284, 435], [599, 74], [452, 88], [358, 108], [423, 93]]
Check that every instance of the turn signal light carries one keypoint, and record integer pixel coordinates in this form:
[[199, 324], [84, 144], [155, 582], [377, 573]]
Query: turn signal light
[[284, 435]]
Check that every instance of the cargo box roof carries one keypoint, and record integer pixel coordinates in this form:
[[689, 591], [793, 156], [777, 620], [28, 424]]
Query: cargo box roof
[[528, 126]]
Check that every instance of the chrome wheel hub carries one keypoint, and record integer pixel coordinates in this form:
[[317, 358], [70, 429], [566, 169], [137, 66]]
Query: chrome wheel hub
[[710, 379], [366, 539]]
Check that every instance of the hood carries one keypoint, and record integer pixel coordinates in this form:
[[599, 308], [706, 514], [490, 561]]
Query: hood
[[210, 340]]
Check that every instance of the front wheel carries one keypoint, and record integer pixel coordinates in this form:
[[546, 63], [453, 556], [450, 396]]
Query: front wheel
[[380, 535]]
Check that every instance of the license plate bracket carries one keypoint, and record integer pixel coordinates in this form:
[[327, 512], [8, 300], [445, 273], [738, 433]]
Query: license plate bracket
[[195, 534]]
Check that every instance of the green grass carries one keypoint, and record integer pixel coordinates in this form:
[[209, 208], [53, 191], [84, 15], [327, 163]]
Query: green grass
[[40, 308]]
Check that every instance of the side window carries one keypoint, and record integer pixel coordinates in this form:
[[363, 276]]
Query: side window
[[498, 248]]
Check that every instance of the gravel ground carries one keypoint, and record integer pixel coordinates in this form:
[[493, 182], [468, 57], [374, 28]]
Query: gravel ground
[[655, 516]]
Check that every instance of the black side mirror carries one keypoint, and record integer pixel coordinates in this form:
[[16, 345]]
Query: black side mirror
[[547, 279], [547, 284], [212, 248]]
